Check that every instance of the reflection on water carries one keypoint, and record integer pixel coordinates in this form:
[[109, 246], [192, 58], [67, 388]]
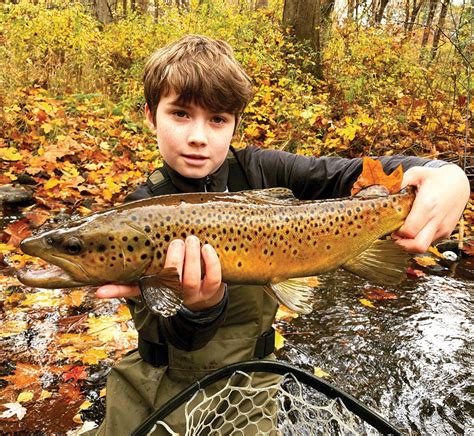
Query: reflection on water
[[409, 357]]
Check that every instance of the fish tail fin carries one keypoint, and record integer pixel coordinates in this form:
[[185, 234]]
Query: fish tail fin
[[294, 293], [383, 262], [162, 292]]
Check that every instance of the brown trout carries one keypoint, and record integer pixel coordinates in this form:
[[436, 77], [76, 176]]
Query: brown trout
[[265, 237]]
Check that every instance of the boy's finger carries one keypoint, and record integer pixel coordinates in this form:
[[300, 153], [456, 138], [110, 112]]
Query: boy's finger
[[213, 274], [192, 265], [419, 216], [117, 291], [421, 241], [175, 256]]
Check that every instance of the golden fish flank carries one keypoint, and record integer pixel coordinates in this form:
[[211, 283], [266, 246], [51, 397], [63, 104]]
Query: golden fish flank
[[262, 237]]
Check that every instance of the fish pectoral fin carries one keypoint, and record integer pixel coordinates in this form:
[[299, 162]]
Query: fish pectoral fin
[[162, 292], [295, 294], [383, 262]]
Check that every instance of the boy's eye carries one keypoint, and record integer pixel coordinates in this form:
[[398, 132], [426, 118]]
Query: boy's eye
[[181, 114], [218, 120]]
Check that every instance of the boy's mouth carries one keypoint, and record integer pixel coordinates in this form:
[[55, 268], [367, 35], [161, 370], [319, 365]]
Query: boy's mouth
[[195, 158]]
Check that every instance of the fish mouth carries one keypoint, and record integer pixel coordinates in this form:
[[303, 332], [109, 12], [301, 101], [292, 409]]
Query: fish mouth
[[55, 276]]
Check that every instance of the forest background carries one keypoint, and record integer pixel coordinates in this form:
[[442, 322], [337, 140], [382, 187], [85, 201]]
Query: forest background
[[362, 77]]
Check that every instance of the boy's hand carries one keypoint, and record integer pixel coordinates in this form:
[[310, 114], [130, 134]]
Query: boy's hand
[[442, 194], [186, 258]]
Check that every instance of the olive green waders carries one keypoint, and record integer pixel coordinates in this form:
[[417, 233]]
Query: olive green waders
[[136, 388]]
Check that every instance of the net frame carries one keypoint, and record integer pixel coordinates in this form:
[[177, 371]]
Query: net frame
[[322, 386]]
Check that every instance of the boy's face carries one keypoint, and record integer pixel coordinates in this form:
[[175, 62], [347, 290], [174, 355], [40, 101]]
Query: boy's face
[[192, 140]]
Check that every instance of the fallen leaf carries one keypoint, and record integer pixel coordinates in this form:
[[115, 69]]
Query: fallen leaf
[[279, 340], [366, 303], [24, 397], [318, 372], [12, 410], [285, 314], [18, 231], [425, 260], [76, 373], [379, 294], [415, 272]]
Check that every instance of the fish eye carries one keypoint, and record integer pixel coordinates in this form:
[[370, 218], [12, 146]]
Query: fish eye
[[73, 245], [50, 240]]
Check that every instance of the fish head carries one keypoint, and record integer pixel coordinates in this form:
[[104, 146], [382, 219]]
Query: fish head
[[103, 248]]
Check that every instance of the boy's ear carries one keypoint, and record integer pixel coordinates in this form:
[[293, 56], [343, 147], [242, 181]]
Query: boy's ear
[[149, 119]]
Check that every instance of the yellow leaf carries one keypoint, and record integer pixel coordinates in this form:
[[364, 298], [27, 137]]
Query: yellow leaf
[[102, 393], [46, 127], [77, 419], [85, 405], [74, 298], [285, 314], [94, 355], [51, 183], [45, 395], [366, 302], [279, 340], [425, 261], [12, 327], [43, 298], [10, 154], [24, 396], [318, 372], [435, 251]]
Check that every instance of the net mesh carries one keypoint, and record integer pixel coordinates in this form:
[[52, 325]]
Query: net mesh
[[249, 404]]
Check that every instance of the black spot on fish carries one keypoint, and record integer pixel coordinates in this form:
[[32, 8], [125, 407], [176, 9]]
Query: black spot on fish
[[143, 256], [112, 247], [158, 254], [134, 218], [157, 236], [349, 212], [101, 248], [147, 229], [167, 238], [101, 258], [295, 252], [358, 209], [124, 238], [135, 238], [385, 204], [239, 265], [147, 243], [328, 247], [336, 232], [168, 218], [129, 248], [111, 238]]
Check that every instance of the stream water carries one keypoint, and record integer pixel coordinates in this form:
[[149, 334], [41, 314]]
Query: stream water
[[409, 356]]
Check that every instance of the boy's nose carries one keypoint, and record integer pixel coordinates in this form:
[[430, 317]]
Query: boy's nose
[[197, 136]]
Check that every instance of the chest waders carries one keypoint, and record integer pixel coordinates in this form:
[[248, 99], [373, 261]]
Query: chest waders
[[149, 377]]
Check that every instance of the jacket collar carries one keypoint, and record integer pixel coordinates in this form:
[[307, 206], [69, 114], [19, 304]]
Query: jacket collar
[[215, 182]]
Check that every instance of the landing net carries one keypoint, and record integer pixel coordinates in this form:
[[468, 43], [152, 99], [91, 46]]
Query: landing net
[[264, 403]]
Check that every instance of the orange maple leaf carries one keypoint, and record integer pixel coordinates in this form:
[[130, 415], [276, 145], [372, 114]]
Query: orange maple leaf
[[18, 231], [373, 174]]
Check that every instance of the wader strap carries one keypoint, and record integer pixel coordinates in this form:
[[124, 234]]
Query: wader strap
[[157, 354], [154, 354], [265, 344]]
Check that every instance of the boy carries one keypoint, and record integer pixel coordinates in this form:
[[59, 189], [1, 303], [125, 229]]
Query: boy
[[195, 92]]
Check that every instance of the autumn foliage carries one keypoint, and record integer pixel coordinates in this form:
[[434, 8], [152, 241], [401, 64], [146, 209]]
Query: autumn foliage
[[72, 132]]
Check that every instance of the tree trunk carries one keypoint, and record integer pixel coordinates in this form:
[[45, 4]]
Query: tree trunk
[[407, 15], [429, 22], [308, 18], [380, 11], [437, 34], [104, 11], [350, 9], [260, 4], [414, 14]]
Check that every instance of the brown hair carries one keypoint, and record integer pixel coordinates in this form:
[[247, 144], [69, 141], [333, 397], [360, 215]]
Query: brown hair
[[200, 70]]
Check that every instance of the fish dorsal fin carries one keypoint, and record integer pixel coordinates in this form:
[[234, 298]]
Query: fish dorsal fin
[[162, 292], [295, 294], [271, 195], [373, 191], [383, 262]]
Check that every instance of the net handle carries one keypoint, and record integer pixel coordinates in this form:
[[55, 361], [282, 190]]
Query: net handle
[[352, 404]]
